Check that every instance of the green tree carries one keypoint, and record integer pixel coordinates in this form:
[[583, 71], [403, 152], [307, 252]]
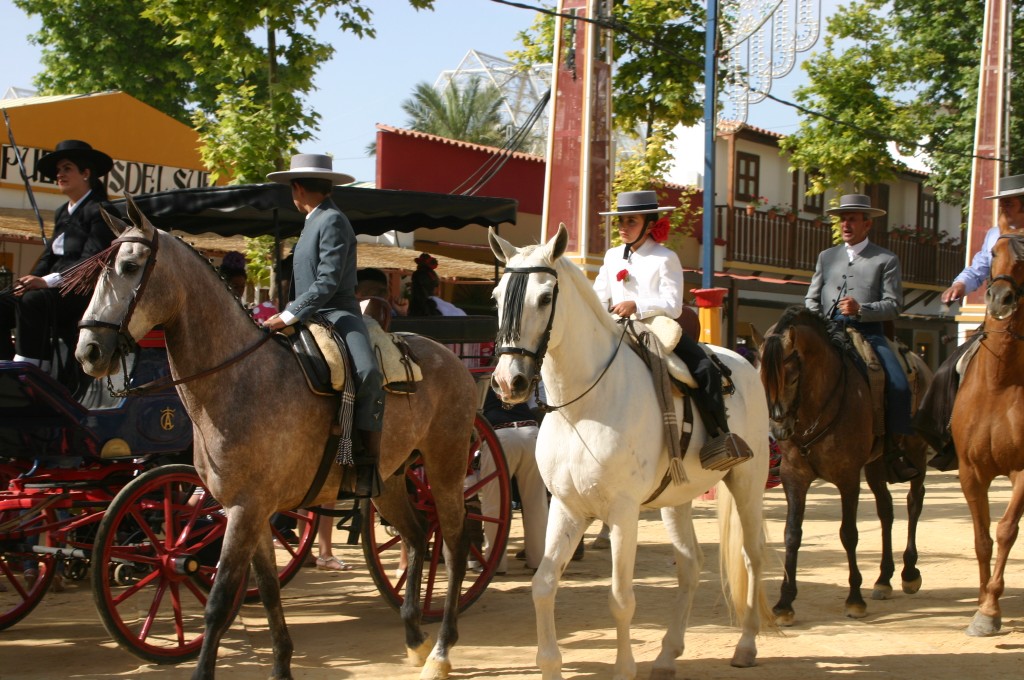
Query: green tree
[[98, 45], [905, 71], [658, 58], [471, 113], [238, 69]]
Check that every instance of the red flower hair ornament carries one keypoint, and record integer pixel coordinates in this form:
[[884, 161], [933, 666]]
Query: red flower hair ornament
[[426, 260], [659, 230]]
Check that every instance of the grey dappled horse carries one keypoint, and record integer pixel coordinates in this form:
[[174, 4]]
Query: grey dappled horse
[[259, 432]]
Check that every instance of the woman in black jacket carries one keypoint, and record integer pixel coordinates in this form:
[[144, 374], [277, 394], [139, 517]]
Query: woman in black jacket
[[41, 312]]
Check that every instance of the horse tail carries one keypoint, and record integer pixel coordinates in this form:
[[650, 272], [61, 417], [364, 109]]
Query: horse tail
[[738, 583]]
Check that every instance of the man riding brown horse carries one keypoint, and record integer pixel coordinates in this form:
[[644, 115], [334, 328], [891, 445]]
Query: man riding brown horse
[[859, 284]]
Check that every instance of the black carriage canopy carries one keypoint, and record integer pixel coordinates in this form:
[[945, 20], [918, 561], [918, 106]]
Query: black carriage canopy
[[267, 209]]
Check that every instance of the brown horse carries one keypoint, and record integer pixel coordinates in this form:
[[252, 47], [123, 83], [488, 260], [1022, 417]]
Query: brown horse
[[260, 432], [821, 414], [986, 425]]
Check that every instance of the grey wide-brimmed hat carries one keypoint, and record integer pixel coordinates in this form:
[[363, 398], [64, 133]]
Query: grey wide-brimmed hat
[[856, 203], [80, 153], [1012, 185], [311, 166], [631, 202]]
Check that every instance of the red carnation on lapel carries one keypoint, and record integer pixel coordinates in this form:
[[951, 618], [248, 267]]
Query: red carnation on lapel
[[622, 275]]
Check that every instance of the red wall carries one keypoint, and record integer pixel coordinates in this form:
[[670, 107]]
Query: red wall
[[416, 162]]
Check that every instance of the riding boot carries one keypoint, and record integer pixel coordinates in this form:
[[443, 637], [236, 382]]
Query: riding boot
[[723, 448], [945, 460], [367, 462], [902, 469]]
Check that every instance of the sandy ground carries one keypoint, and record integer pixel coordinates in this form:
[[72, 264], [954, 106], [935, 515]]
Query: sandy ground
[[343, 629]]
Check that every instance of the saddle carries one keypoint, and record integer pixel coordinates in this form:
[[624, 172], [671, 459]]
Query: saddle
[[875, 374], [320, 353]]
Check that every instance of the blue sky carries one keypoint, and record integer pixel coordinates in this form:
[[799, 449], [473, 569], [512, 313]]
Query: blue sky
[[367, 80]]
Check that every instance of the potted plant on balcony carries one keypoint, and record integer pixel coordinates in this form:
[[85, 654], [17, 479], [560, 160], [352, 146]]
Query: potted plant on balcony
[[755, 203], [782, 210]]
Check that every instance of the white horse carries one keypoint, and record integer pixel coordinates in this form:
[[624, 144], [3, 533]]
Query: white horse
[[602, 453]]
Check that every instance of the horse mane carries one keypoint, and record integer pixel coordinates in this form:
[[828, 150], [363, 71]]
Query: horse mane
[[216, 272], [798, 315], [571, 272]]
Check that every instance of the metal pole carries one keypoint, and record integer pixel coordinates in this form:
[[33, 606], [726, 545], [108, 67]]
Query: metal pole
[[710, 70], [24, 177]]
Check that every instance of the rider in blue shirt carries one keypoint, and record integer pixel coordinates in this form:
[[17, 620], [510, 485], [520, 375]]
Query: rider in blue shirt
[[932, 418]]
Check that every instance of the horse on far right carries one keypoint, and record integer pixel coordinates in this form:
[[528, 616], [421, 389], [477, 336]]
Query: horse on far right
[[986, 424]]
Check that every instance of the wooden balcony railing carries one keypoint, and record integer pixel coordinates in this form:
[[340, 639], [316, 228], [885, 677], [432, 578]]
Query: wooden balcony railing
[[778, 241]]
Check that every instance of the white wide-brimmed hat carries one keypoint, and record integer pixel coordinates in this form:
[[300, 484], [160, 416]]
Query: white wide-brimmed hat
[[310, 166], [856, 203], [633, 202], [1012, 185]]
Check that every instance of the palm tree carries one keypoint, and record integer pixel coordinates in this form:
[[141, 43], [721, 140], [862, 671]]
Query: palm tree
[[470, 114]]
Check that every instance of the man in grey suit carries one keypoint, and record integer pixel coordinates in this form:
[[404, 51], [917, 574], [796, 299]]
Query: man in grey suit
[[324, 281], [859, 284]]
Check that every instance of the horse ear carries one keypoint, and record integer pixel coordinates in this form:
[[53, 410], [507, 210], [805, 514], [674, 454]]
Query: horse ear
[[137, 218], [115, 223], [502, 249], [558, 243]]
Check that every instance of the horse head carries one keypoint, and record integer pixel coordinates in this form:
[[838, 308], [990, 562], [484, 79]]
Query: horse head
[[115, 318], [525, 298], [1005, 287], [800, 338]]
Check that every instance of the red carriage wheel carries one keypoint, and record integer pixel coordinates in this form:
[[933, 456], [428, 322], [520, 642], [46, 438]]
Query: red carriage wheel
[[382, 546], [24, 574], [155, 547], [293, 531], [291, 547]]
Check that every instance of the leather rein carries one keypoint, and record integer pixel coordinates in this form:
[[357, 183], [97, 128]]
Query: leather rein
[[125, 342], [539, 354], [838, 388]]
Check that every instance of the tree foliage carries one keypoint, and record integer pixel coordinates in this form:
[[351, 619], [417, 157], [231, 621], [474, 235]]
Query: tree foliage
[[238, 69], [658, 55], [99, 45], [471, 113], [659, 61], [899, 70]]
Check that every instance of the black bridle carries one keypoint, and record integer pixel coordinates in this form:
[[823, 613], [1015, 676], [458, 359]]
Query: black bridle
[[1016, 242], [812, 435], [125, 342], [508, 332]]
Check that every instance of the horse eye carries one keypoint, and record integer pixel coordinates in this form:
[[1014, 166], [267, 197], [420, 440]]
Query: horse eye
[[545, 299], [129, 268]]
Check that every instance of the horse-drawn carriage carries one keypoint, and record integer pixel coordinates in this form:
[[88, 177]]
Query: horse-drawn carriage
[[90, 490]]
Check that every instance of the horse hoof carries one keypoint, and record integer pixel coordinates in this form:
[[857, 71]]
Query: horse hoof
[[418, 656], [856, 611], [435, 670], [983, 625], [881, 592], [911, 587], [784, 617], [744, 658]]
